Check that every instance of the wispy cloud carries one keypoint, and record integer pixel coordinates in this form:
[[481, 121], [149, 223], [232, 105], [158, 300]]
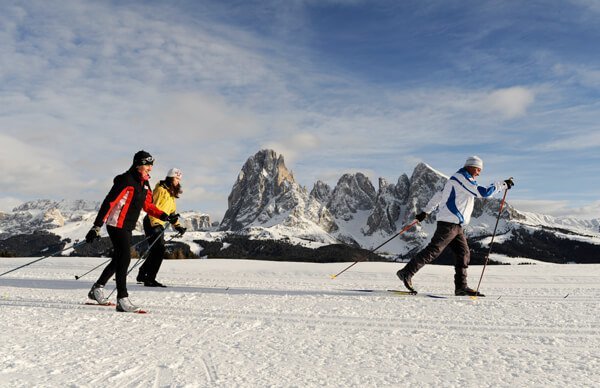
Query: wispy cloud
[[510, 102], [203, 85]]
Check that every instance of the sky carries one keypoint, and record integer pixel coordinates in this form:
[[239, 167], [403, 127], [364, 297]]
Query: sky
[[335, 86]]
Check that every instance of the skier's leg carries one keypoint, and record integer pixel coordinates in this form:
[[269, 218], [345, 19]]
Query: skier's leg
[[122, 241], [444, 234], [154, 260], [159, 255], [462, 257], [149, 232]]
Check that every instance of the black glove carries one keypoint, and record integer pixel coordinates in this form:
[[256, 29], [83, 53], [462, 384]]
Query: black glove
[[92, 235], [509, 183], [180, 229], [170, 218], [421, 216]]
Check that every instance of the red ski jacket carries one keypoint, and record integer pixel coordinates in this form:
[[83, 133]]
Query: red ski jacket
[[122, 206]]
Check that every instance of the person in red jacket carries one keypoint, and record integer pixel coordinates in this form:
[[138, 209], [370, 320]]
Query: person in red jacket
[[120, 211]]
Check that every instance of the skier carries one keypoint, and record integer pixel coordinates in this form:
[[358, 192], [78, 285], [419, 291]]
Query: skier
[[455, 203], [120, 211], [164, 196]]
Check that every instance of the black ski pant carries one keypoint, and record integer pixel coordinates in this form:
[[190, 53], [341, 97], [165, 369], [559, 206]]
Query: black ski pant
[[446, 234], [121, 240], [151, 266]]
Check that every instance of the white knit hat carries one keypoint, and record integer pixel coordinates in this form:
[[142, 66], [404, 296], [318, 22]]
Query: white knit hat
[[174, 173], [474, 161]]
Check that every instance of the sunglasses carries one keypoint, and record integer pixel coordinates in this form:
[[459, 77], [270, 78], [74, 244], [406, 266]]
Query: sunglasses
[[146, 161]]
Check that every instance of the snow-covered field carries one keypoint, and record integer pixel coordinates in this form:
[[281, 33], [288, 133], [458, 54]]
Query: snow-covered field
[[256, 324]]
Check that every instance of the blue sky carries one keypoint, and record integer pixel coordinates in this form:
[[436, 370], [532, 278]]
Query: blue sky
[[334, 85]]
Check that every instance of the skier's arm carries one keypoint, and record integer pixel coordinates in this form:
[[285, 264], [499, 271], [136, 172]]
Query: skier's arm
[[150, 208], [115, 193], [492, 189]]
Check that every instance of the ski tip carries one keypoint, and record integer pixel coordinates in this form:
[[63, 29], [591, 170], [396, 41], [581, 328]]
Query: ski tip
[[109, 304], [403, 292], [333, 276], [140, 311]]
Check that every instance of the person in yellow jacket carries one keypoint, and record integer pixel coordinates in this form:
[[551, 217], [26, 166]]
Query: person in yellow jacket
[[164, 196]]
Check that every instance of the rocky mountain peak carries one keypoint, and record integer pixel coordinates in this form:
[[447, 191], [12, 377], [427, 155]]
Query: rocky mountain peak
[[403, 188], [352, 193], [262, 177], [386, 211], [266, 193], [423, 184], [45, 214], [321, 192]]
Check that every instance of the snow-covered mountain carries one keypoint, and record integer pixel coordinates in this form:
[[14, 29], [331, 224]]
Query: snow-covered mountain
[[45, 214], [267, 202], [72, 219]]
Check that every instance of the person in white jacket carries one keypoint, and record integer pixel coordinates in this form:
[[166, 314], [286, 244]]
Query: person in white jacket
[[455, 204]]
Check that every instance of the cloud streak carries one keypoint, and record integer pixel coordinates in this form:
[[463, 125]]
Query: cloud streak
[[203, 85]]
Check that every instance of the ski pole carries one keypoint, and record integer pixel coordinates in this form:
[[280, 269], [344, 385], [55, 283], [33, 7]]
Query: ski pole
[[144, 256], [407, 227], [91, 270], [487, 256], [147, 253], [45, 257], [100, 265]]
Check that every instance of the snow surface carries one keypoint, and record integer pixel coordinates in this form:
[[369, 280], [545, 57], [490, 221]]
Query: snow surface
[[257, 324]]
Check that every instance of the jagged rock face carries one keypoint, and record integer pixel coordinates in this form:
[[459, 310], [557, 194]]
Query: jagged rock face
[[321, 192], [491, 206], [387, 210], [307, 210], [352, 193], [423, 184], [403, 189], [45, 214], [266, 194], [263, 177], [320, 196], [196, 221]]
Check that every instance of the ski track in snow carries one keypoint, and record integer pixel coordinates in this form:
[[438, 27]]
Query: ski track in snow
[[251, 323]]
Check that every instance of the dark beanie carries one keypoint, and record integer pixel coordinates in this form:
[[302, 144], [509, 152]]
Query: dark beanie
[[142, 158]]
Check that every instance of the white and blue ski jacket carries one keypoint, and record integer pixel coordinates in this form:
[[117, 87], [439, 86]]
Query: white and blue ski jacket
[[456, 200]]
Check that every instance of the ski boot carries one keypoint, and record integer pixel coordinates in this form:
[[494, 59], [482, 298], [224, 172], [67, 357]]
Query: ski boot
[[466, 291], [152, 283], [124, 305], [97, 294], [141, 277], [407, 280]]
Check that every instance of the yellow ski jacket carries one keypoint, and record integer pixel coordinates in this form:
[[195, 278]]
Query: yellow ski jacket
[[163, 200]]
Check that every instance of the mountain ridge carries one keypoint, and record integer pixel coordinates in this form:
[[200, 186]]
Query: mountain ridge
[[266, 203]]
